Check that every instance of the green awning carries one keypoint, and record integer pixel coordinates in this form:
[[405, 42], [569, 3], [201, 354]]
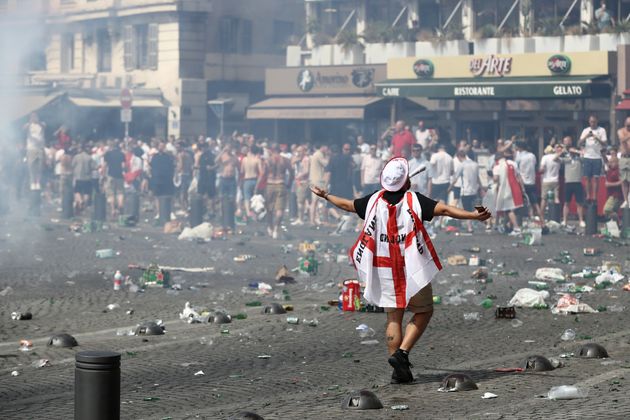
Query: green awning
[[498, 88]]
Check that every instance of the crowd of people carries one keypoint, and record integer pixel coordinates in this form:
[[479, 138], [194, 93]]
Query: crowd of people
[[230, 171]]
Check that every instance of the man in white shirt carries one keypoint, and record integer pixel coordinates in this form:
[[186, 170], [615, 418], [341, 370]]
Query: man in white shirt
[[420, 182], [371, 167], [467, 173], [362, 145], [526, 163], [423, 135], [550, 170], [441, 172], [592, 140]]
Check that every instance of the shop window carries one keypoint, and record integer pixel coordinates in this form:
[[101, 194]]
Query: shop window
[[621, 12], [489, 14], [67, 53], [549, 14], [104, 50], [141, 47], [434, 15]]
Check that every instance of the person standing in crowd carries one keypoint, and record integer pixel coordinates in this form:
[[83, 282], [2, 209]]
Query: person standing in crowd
[[317, 176], [362, 145], [424, 136], [300, 167], [82, 167], [114, 160], [35, 155], [228, 166], [275, 170], [623, 135], [441, 173], [467, 173], [401, 140], [395, 258], [340, 168], [550, 170], [592, 140], [206, 176], [604, 18], [456, 185], [526, 163], [383, 151], [251, 168], [162, 172], [508, 193], [184, 170], [371, 167], [613, 187], [420, 182], [572, 164], [64, 141]]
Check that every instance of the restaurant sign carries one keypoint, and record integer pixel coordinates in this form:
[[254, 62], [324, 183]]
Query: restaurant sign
[[322, 80], [491, 65]]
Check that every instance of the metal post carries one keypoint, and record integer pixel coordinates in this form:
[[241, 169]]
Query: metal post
[[97, 386], [132, 205], [67, 200], [165, 203], [626, 222], [591, 219], [100, 207], [556, 211], [196, 210]]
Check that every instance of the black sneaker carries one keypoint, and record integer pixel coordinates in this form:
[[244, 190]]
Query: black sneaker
[[402, 368]]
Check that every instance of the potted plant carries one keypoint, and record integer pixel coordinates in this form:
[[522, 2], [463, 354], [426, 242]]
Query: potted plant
[[548, 36], [619, 34], [382, 41], [581, 38], [348, 48], [449, 41], [487, 41]]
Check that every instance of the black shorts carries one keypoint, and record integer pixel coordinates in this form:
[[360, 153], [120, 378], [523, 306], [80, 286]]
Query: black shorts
[[532, 194], [163, 189], [574, 189], [457, 192], [439, 192], [469, 201], [83, 187]]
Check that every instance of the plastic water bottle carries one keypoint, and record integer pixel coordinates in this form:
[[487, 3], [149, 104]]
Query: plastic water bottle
[[365, 331], [118, 280], [566, 392]]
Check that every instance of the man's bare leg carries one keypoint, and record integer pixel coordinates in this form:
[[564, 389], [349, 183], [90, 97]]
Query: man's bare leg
[[393, 331], [415, 328]]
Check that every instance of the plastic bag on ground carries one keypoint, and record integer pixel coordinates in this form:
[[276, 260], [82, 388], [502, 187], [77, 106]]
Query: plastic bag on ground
[[528, 298], [203, 231], [566, 392], [549, 274], [568, 304], [611, 276]]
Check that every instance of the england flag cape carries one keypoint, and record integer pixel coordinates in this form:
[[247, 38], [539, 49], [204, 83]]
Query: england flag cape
[[394, 255]]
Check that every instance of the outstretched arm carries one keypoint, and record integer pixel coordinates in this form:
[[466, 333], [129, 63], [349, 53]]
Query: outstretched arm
[[442, 209], [339, 202]]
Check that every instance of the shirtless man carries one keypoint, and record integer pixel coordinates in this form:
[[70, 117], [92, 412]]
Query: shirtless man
[[276, 171], [623, 135], [251, 168], [228, 166]]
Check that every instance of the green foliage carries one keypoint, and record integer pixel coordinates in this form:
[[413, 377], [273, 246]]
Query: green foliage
[[347, 39], [548, 27], [487, 31]]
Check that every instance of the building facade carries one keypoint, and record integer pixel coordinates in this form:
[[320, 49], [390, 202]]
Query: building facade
[[185, 61], [441, 56]]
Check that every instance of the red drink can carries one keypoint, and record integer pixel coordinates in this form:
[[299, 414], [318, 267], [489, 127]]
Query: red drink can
[[351, 295]]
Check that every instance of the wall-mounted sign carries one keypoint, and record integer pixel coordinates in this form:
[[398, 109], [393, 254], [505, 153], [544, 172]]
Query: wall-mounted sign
[[559, 64], [587, 63], [492, 65], [423, 68], [323, 80]]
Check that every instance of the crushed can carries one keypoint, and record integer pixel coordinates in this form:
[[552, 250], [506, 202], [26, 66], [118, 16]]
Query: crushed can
[[590, 252], [309, 264], [351, 295]]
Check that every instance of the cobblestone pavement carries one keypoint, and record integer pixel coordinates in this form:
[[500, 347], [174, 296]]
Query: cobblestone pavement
[[55, 275]]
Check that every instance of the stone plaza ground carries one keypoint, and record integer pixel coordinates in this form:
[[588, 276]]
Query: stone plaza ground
[[53, 273]]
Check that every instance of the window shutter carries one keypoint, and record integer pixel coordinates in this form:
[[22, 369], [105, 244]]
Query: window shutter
[[153, 46], [130, 62], [246, 36]]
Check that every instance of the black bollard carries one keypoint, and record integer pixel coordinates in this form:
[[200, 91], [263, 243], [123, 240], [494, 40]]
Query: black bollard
[[591, 219], [97, 386], [626, 222], [67, 203], [165, 202], [556, 212], [100, 207], [34, 207], [196, 210], [132, 205]]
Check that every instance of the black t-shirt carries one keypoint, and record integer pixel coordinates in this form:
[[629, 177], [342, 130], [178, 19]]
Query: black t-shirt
[[162, 168], [115, 159], [426, 204]]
